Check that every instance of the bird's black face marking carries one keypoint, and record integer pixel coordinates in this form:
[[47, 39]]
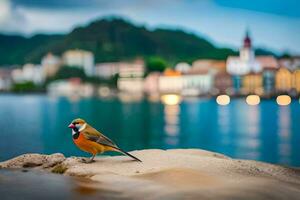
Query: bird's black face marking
[[75, 129], [76, 135]]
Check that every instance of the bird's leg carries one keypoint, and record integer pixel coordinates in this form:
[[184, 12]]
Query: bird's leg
[[92, 158], [89, 160]]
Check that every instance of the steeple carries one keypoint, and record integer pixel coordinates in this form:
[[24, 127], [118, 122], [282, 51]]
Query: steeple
[[247, 40]]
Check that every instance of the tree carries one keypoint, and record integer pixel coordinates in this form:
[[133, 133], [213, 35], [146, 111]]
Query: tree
[[27, 86], [156, 64], [67, 72]]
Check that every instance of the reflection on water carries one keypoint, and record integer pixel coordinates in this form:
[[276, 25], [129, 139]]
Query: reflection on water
[[249, 144], [284, 125], [266, 132], [172, 129], [15, 184]]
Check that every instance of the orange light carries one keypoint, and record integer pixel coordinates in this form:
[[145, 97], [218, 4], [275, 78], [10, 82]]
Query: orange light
[[171, 99], [223, 100], [253, 100], [283, 100]]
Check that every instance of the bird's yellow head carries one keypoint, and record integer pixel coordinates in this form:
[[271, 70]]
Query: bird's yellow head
[[77, 125]]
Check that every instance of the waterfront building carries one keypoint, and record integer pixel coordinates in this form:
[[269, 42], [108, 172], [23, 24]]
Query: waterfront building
[[267, 62], [183, 67], [50, 64], [5, 79], [108, 70], [237, 84], [292, 63], [81, 59], [208, 64], [219, 66], [269, 81], [29, 72], [131, 77], [253, 83], [151, 83], [246, 61], [283, 80], [222, 83], [70, 88], [296, 80], [197, 84], [202, 64], [170, 82]]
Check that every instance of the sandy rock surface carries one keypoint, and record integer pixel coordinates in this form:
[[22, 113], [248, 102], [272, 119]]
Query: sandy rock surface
[[174, 174]]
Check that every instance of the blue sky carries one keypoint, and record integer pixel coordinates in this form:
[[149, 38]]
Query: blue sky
[[273, 24]]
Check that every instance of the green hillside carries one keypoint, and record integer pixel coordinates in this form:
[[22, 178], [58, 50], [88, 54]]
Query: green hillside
[[112, 40]]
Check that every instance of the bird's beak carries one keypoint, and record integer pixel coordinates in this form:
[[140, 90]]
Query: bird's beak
[[71, 126]]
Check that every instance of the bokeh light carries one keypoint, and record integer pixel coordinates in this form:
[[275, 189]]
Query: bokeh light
[[223, 100], [171, 99], [283, 100], [253, 100]]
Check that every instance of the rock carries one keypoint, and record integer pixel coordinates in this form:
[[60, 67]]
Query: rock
[[34, 161], [174, 174]]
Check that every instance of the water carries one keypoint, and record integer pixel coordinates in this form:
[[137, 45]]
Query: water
[[15, 184], [268, 132]]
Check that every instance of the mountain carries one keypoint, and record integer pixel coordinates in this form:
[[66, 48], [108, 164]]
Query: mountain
[[19, 50], [112, 39]]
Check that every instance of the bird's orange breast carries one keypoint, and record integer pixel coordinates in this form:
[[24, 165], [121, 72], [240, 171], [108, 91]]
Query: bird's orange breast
[[87, 145]]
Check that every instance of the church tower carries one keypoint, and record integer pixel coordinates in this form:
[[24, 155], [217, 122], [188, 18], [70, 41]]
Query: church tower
[[246, 52]]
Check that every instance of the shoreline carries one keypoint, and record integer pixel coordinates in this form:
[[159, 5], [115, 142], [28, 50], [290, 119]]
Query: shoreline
[[145, 96], [174, 174]]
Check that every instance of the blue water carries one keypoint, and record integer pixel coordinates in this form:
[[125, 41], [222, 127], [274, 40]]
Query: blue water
[[268, 132]]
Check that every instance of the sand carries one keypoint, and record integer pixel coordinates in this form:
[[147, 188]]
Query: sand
[[174, 174]]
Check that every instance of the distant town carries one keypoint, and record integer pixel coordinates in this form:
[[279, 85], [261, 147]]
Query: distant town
[[75, 73]]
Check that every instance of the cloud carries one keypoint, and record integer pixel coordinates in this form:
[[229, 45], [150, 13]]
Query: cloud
[[11, 19]]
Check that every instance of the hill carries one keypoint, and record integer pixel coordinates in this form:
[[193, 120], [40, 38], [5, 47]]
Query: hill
[[112, 39]]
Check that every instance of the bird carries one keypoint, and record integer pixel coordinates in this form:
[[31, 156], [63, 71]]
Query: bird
[[90, 140]]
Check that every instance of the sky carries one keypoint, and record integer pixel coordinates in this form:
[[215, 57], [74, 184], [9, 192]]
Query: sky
[[273, 24]]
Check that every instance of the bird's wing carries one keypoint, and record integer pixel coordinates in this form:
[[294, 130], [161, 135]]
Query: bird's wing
[[95, 136]]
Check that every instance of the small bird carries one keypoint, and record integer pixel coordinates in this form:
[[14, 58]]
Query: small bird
[[92, 141]]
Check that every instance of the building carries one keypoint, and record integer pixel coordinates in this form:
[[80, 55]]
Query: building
[[253, 83], [70, 88], [183, 67], [29, 72], [197, 84], [296, 80], [269, 81], [269, 62], [170, 82], [81, 59], [237, 84], [131, 77], [283, 80], [187, 84], [50, 64], [246, 61], [208, 64], [151, 83], [108, 70], [219, 66], [5, 79], [222, 83], [292, 63]]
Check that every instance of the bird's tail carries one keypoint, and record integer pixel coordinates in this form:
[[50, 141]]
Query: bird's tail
[[126, 153]]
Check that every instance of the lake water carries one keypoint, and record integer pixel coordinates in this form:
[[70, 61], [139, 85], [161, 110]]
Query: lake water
[[20, 185], [267, 132]]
